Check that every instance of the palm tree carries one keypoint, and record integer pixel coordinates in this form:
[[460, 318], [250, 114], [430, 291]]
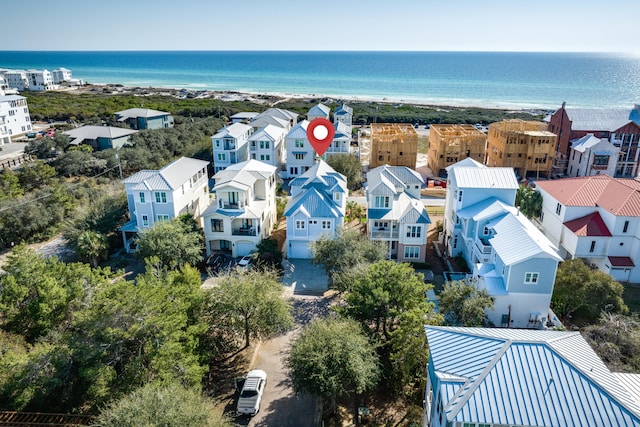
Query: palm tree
[[92, 246]]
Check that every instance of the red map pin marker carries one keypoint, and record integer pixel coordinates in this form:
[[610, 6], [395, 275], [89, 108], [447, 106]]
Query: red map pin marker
[[320, 133]]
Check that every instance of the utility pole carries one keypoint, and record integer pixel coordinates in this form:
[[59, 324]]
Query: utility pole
[[119, 166]]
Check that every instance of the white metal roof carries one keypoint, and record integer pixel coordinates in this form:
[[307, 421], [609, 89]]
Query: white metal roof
[[491, 178], [169, 177], [235, 130], [599, 119], [140, 112], [269, 132], [299, 131]]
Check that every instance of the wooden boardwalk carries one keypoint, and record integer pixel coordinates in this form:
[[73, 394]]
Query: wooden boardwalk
[[41, 419]]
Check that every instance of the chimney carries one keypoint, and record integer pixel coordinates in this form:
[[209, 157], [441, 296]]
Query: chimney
[[564, 104]]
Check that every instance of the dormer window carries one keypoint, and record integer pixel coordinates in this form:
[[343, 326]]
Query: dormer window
[[381, 202], [336, 196]]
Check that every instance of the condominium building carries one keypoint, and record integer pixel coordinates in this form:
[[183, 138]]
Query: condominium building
[[394, 144], [15, 111], [448, 144], [526, 146], [620, 126]]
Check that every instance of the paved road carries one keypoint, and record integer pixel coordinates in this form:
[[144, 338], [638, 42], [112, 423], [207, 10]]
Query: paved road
[[280, 406]]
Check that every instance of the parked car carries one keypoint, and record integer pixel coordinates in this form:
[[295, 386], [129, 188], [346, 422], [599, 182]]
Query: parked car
[[245, 262], [252, 391]]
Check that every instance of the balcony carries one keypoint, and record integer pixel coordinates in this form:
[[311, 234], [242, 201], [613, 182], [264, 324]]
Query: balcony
[[249, 231], [385, 234], [253, 147], [483, 246], [225, 204]]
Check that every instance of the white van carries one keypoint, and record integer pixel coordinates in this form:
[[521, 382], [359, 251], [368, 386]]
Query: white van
[[252, 391]]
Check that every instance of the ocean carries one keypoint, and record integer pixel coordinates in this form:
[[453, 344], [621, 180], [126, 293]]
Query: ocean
[[485, 79]]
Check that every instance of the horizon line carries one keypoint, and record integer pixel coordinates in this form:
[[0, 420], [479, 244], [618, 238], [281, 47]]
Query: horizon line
[[620, 52]]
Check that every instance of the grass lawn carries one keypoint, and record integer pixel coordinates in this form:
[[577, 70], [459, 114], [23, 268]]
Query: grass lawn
[[631, 297]]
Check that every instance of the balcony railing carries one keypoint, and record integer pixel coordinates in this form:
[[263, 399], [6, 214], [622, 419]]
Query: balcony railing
[[251, 231], [384, 234], [484, 248], [225, 204]]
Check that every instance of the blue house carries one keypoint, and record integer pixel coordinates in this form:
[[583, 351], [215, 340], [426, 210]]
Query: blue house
[[484, 377], [507, 254], [145, 118], [100, 137]]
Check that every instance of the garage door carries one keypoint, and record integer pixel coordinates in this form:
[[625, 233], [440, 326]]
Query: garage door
[[244, 248], [299, 250]]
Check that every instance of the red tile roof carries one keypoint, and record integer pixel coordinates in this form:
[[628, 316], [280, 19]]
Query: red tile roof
[[621, 261], [620, 196], [590, 225]]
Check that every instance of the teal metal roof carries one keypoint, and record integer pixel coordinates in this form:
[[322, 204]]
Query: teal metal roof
[[526, 377]]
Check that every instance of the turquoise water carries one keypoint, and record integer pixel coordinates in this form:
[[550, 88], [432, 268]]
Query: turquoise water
[[518, 80]]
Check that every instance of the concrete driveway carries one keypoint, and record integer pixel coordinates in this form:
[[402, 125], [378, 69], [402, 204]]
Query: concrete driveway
[[302, 277]]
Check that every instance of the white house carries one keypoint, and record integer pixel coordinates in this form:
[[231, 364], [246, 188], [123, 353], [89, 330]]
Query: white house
[[61, 75], [17, 120], [244, 211], [319, 111], [285, 118], [300, 154], [16, 79], [40, 80], [597, 219], [316, 207], [267, 145], [485, 377], [243, 117], [508, 255], [343, 114], [5, 137], [395, 213], [341, 143], [590, 155], [230, 145], [160, 195]]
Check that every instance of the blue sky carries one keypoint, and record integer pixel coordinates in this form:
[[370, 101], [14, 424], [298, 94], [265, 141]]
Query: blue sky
[[462, 25]]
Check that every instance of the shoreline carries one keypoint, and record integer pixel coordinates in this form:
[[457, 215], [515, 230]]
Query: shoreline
[[275, 98]]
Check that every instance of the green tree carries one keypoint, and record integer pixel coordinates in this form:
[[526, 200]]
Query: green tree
[[332, 358], [161, 404], [350, 166], [462, 304], [9, 185], [354, 211], [590, 291], [38, 294], [616, 339], [174, 242], [131, 334], [268, 253], [250, 304], [347, 250], [91, 246], [529, 201], [382, 293], [36, 175]]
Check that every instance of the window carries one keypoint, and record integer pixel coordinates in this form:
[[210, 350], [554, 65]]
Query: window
[[217, 225], [460, 196], [267, 157], [485, 231], [299, 156], [161, 197], [558, 208], [261, 156], [145, 221], [593, 246], [142, 198], [300, 224], [455, 243], [299, 143], [381, 202], [222, 157], [326, 225], [530, 278], [336, 197], [626, 227], [380, 224], [412, 252], [163, 218], [413, 231]]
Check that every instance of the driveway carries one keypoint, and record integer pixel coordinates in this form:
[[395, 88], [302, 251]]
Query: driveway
[[302, 277], [305, 283]]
